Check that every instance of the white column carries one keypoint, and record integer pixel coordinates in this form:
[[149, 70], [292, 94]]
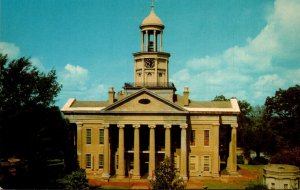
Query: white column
[[151, 150], [161, 36], [121, 165], [168, 140], [183, 155], [155, 41], [142, 41], [136, 164], [232, 160], [215, 157], [147, 41], [105, 174]]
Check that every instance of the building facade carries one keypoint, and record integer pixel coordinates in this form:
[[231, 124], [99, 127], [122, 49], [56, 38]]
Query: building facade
[[132, 131]]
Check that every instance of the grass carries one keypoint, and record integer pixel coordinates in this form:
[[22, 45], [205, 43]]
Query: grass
[[252, 168], [241, 182]]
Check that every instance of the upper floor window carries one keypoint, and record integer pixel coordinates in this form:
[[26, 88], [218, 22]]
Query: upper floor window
[[101, 136], [88, 136], [206, 137]]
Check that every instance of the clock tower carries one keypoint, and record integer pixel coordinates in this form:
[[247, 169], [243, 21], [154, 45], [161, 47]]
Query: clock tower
[[151, 63]]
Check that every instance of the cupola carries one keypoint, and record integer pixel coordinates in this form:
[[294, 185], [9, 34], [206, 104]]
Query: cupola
[[152, 20]]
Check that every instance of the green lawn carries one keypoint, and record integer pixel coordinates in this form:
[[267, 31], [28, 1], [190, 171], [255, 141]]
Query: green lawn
[[252, 168], [236, 183]]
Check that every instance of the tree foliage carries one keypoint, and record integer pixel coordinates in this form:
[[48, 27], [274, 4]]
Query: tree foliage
[[220, 98], [291, 157], [31, 127], [283, 116], [23, 86], [75, 180], [166, 177], [26, 99]]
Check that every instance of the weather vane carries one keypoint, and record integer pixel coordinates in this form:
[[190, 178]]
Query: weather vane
[[152, 3]]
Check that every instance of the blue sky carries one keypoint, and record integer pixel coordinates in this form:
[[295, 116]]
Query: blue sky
[[239, 48]]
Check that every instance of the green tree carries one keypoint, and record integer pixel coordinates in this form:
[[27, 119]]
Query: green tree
[[220, 98], [166, 177], [31, 127], [291, 157], [75, 180], [282, 116]]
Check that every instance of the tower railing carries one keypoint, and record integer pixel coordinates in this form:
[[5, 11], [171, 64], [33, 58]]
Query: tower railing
[[149, 85]]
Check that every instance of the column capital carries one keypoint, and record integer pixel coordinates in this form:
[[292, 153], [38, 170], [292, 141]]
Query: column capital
[[152, 126], [136, 126], [79, 124], [121, 126], [234, 125], [106, 125], [168, 126], [183, 125]]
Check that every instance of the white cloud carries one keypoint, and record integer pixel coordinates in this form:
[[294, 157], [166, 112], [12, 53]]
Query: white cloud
[[75, 74], [267, 62], [75, 81], [266, 84], [10, 49], [181, 76], [37, 62], [204, 63]]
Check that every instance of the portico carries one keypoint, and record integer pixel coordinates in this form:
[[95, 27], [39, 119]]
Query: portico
[[144, 148]]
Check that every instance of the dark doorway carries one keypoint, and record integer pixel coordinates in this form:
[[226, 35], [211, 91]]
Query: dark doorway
[[225, 138], [114, 142]]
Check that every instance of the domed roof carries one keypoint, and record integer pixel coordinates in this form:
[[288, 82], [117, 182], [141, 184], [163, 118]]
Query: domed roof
[[152, 19]]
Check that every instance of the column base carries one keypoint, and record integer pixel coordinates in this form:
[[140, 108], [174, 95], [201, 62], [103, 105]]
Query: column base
[[233, 173], [136, 177], [215, 175], [120, 176], [185, 178], [105, 176]]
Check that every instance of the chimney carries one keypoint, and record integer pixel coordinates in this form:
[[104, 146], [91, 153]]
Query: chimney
[[111, 95], [186, 96]]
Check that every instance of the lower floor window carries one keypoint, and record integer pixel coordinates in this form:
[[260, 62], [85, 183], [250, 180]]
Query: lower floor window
[[101, 161], [88, 161], [206, 164], [193, 163]]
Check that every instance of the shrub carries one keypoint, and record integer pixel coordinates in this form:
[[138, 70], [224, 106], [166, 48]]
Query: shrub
[[259, 161], [165, 176], [254, 186], [76, 180], [240, 159]]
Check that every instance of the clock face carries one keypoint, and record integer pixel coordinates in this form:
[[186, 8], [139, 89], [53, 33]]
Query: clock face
[[149, 62]]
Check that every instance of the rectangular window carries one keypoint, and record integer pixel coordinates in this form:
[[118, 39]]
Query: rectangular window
[[193, 163], [206, 164], [272, 185], [101, 161], [285, 186], [101, 136], [193, 138], [88, 136], [206, 137], [88, 161]]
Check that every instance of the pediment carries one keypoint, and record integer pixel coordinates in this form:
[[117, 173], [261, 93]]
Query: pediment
[[144, 101]]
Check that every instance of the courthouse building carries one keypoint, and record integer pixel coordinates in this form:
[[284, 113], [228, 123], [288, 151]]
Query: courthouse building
[[132, 131]]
